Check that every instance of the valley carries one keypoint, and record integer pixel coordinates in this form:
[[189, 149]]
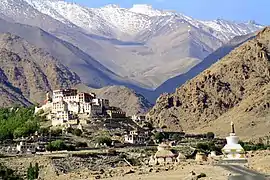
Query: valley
[[117, 92], [135, 43]]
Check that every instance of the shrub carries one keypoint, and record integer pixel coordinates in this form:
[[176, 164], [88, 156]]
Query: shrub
[[164, 127], [159, 136], [207, 147], [176, 137], [44, 131], [70, 148], [32, 172], [77, 132], [56, 132], [81, 144], [69, 130], [40, 112], [57, 145], [253, 147], [104, 140], [6, 173], [201, 175], [210, 135]]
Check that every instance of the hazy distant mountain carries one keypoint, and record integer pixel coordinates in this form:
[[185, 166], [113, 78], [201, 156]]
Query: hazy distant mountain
[[28, 72], [141, 44], [171, 84]]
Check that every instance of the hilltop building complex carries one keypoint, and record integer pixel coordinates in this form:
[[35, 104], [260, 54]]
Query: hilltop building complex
[[67, 106]]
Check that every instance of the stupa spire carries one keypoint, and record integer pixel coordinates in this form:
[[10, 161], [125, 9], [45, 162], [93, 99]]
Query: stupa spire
[[232, 128]]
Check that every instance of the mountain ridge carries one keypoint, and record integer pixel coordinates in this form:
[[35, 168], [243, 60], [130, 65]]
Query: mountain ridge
[[170, 46], [140, 23], [28, 72], [235, 86], [170, 85]]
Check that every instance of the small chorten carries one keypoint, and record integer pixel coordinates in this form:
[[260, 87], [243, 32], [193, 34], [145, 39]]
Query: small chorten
[[233, 150]]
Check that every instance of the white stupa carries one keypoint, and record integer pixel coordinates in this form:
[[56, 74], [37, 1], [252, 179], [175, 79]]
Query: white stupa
[[232, 150]]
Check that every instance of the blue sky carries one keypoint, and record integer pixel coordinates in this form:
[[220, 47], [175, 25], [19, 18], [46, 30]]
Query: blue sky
[[238, 10]]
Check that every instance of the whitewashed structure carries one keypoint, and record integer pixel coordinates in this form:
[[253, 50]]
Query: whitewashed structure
[[138, 118], [233, 150], [66, 104], [24, 147], [135, 137]]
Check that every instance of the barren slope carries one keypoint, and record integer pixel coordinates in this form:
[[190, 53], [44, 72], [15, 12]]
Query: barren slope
[[235, 87], [170, 85], [144, 49], [123, 97], [29, 71]]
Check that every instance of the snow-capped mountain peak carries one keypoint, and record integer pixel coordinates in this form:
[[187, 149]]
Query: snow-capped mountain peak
[[117, 22], [112, 6], [148, 10]]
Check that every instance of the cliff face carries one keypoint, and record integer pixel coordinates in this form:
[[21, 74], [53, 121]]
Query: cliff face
[[28, 72], [240, 79]]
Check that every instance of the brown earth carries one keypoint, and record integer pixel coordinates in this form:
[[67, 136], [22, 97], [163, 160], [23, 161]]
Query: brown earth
[[258, 161], [181, 171], [29, 71], [236, 88]]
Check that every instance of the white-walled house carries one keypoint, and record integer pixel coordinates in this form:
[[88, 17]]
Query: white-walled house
[[24, 147], [138, 118], [134, 137], [66, 104]]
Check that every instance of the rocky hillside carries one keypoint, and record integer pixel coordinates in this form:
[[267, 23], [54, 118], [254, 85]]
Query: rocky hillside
[[141, 45], [67, 54], [27, 72], [123, 97], [234, 88], [170, 85], [10, 95]]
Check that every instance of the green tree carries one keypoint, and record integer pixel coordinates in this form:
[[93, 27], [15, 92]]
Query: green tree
[[31, 172], [57, 145], [36, 170], [203, 147], [176, 137], [18, 121], [159, 136], [208, 147], [19, 132]]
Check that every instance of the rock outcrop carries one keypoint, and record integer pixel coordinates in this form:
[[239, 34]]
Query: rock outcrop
[[238, 83], [27, 72]]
